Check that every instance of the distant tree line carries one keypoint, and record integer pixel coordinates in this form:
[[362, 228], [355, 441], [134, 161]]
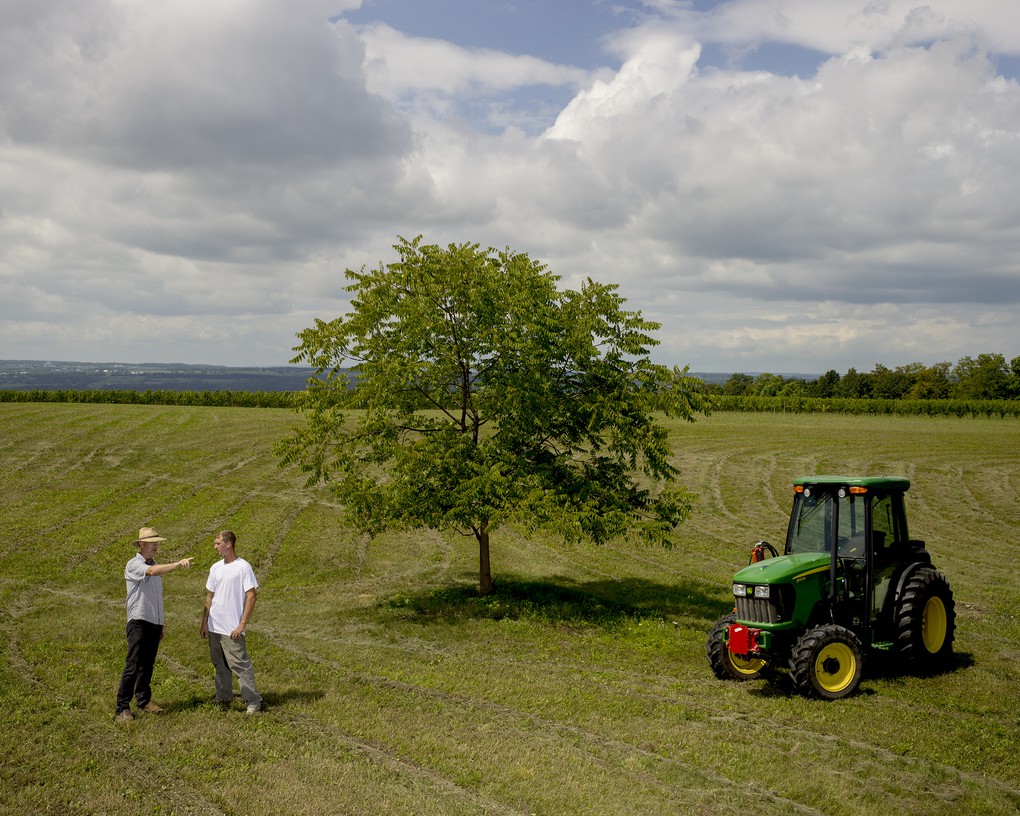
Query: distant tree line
[[841, 405], [985, 386], [988, 377], [217, 399]]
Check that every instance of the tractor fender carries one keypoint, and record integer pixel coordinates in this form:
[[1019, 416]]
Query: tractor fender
[[906, 575]]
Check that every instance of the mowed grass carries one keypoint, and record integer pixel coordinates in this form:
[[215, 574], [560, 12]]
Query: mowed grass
[[581, 687]]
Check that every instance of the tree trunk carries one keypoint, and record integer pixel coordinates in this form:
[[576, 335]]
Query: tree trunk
[[484, 573]]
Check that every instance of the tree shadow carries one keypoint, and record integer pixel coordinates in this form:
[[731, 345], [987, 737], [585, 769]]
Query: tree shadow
[[561, 600]]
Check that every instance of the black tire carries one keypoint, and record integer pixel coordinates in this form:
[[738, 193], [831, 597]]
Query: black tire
[[726, 665], [926, 620], [827, 662]]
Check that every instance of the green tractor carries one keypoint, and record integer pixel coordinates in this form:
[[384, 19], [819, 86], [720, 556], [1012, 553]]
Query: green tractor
[[850, 582]]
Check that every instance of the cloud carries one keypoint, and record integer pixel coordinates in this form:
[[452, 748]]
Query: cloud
[[184, 159], [190, 85], [844, 26], [781, 186], [187, 181], [401, 64]]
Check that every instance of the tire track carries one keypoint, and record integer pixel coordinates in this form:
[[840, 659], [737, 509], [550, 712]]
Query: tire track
[[565, 732], [882, 758], [404, 766]]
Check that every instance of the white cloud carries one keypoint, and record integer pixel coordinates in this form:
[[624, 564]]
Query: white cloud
[[186, 181], [788, 185], [842, 26], [399, 64], [183, 159]]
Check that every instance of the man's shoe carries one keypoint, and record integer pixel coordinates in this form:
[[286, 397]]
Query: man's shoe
[[152, 708], [254, 708], [125, 715]]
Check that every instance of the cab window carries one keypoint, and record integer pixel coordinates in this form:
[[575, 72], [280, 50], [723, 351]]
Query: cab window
[[811, 524], [852, 527]]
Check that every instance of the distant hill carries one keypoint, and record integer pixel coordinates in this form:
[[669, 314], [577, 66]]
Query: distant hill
[[52, 375], [63, 375]]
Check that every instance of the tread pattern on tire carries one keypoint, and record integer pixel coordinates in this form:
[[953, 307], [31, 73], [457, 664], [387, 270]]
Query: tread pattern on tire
[[802, 659], [920, 587]]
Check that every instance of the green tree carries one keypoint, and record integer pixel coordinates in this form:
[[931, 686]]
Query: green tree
[[893, 383], [932, 382], [853, 385], [768, 385], [987, 377], [478, 394], [824, 386], [738, 385], [794, 387], [1014, 378]]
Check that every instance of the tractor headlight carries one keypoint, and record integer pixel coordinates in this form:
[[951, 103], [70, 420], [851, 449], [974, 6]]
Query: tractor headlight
[[740, 590], [761, 591]]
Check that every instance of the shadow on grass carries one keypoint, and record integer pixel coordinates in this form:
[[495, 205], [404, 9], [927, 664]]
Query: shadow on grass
[[281, 698], [269, 699], [887, 666], [561, 600], [878, 666]]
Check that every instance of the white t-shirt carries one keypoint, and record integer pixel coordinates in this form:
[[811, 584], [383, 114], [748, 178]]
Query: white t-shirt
[[229, 583]]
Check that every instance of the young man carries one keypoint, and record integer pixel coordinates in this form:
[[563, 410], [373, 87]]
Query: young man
[[144, 623], [229, 603]]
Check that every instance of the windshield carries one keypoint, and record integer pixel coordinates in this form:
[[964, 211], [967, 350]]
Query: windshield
[[811, 524], [812, 528]]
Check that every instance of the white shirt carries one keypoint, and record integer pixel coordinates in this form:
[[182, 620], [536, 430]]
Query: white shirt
[[229, 584]]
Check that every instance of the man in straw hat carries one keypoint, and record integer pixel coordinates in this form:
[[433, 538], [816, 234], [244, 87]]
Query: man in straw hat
[[145, 623]]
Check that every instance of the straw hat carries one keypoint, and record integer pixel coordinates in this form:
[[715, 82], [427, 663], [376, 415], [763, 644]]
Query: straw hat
[[147, 535]]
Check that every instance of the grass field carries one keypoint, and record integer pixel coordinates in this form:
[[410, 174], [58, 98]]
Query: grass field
[[581, 687]]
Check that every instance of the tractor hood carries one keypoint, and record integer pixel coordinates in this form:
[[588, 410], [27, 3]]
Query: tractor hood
[[786, 569]]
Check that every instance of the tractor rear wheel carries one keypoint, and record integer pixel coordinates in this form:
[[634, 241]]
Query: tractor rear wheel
[[926, 620], [726, 665], [827, 662]]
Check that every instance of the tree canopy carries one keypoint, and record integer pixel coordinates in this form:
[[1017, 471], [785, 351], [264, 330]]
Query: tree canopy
[[463, 390]]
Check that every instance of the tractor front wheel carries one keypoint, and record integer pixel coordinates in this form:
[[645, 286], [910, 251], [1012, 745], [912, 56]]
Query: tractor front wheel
[[926, 620], [726, 665], [827, 662]]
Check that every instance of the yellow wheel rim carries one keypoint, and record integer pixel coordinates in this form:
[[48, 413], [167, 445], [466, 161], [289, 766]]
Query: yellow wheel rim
[[835, 667], [748, 666], [933, 624]]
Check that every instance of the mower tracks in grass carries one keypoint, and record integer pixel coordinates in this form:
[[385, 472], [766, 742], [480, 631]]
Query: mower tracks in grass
[[11, 642], [899, 768], [600, 749], [317, 729], [135, 760]]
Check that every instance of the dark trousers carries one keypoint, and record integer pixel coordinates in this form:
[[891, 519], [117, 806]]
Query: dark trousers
[[143, 643]]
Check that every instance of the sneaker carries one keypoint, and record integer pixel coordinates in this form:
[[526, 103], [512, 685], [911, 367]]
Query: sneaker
[[152, 708], [254, 708], [125, 715]]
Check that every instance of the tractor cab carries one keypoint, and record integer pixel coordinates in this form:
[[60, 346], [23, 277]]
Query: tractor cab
[[861, 525], [850, 580]]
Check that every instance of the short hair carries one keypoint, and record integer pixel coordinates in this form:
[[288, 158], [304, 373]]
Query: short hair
[[228, 537]]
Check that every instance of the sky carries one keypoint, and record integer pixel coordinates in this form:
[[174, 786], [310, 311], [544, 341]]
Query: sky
[[784, 185]]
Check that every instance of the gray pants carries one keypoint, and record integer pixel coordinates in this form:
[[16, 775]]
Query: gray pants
[[229, 655]]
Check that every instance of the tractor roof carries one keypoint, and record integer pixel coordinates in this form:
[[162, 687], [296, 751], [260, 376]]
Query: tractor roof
[[880, 483]]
